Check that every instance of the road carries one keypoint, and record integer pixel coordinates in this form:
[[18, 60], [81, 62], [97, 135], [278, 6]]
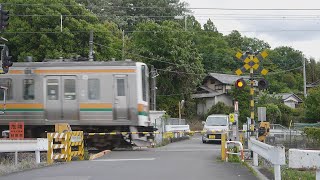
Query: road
[[185, 160]]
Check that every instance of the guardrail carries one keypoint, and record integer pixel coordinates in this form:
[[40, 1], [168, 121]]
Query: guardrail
[[308, 159], [274, 154], [36, 145]]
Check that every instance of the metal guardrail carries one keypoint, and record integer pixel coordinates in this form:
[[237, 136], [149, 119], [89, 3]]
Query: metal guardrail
[[274, 154], [309, 159], [36, 145]]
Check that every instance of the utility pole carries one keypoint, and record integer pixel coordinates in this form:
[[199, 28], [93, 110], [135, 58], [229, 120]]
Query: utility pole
[[61, 23], [304, 79], [91, 46], [122, 44], [153, 89]]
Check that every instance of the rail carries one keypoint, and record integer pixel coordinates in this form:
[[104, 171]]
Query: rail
[[274, 154]]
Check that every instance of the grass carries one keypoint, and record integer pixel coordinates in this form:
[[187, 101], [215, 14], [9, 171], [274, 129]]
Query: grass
[[7, 165], [293, 174]]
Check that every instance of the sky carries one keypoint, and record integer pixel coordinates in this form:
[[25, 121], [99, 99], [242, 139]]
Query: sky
[[299, 29]]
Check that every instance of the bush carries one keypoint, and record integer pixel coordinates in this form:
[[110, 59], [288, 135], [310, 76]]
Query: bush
[[312, 133], [220, 108]]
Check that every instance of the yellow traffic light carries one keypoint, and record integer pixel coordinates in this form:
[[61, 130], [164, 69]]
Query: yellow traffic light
[[240, 84]]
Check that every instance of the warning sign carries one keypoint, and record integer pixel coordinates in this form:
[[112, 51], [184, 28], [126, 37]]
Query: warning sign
[[231, 117]]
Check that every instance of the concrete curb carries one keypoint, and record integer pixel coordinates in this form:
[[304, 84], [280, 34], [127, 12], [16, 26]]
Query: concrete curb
[[95, 156], [258, 173]]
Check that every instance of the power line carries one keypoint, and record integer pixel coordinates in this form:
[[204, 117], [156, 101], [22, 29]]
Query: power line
[[167, 7], [153, 59]]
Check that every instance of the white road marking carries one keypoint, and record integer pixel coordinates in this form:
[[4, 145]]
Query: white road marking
[[112, 160]]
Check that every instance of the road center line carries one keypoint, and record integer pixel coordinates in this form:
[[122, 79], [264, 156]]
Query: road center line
[[112, 160]]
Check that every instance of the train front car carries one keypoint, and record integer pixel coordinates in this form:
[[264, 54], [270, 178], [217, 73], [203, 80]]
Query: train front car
[[96, 97], [143, 124]]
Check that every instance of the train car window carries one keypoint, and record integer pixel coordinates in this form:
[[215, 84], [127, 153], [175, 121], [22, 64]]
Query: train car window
[[53, 89], [144, 85], [93, 89], [120, 87], [6, 82], [69, 89], [28, 89]]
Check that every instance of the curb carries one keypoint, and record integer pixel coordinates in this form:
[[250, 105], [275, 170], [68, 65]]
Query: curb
[[95, 156], [258, 173]]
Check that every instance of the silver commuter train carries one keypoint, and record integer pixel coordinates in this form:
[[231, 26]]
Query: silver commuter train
[[90, 96]]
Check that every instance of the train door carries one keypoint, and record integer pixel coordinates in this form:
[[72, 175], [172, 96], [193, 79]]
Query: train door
[[121, 94], [61, 98]]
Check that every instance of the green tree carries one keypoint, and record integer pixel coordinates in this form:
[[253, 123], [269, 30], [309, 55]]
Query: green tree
[[173, 54], [128, 13], [220, 108], [35, 31], [312, 104]]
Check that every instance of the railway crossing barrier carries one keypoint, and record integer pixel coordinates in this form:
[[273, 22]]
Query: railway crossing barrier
[[66, 140]]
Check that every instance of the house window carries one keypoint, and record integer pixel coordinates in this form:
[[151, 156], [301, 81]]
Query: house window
[[219, 87]]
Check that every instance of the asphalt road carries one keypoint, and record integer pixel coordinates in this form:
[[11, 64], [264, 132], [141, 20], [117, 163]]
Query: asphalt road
[[185, 160]]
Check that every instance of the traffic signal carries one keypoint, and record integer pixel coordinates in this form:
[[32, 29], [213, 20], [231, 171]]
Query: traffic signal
[[263, 84], [4, 18], [240, 84], [6, 59]]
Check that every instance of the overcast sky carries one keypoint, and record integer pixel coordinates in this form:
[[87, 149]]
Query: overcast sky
[[299, 29]]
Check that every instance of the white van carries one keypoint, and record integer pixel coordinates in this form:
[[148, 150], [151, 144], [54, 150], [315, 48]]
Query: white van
[[214, 125]]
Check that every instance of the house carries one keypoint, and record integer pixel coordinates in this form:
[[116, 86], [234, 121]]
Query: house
[[289, 99], [313, 85], [214, 88]]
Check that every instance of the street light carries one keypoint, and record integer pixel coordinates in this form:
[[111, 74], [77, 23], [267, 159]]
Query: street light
[[185, 20]]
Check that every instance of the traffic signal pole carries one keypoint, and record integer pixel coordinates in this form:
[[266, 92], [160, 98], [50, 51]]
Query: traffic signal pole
[[252, 97]]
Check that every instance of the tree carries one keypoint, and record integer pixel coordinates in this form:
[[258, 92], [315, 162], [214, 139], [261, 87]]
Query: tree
[[128, 13], [312, 104], [40, 35], [172, 52], [220, 108], [286, 57]]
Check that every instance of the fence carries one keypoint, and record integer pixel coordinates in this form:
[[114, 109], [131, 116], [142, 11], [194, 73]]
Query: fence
[[66, 141]]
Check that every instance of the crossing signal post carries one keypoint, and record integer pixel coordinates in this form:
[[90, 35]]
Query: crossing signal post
[[251, 62], [4, 18]]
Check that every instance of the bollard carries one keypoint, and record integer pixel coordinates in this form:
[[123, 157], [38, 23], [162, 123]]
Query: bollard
[[223, 149], [16, 158]]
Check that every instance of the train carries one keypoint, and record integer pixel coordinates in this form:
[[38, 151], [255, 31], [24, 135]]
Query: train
[[91, 96]]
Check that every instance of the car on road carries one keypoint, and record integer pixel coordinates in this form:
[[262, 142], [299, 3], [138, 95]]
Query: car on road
[[214, 126]]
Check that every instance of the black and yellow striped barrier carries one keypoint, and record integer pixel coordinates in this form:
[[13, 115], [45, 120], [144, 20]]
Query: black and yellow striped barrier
[[67, 141], [156, 132]]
